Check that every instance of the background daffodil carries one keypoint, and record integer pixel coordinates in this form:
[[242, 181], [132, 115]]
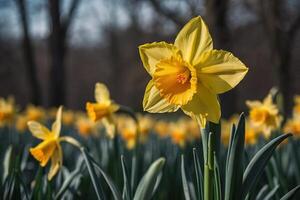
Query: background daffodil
[[264, 115], [50, 147], [103, 109], [189, 74]]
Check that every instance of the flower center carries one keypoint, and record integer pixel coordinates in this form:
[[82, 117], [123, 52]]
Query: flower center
[[183, 77], [176, 80], [44, 151], [97, 111]]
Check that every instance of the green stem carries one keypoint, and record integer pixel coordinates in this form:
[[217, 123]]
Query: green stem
[[208, 152], [135, 158]]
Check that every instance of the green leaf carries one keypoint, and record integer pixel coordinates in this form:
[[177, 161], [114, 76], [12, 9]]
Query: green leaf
[[291, 195], [7, 163], [234, 172], [38, 187], [262, 193], [185, 185], [116, 193], [158, 180], [134, 170], [126, 188], [217, 182], [271, 194], [199, 176], [69, 180], [95, 181], [147, 183], [233, 129], [257, 164]]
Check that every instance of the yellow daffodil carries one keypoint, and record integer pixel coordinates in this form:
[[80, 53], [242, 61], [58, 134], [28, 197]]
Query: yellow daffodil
[[35, 113], [161, 128], [251, 134], [50, 147], [225, 131], [178, 134], [145, 125], [128, 131], [189, 74], [68, 118], [7, 111], [103, 109], [192, 129], [85, 126], [264, 115], [296, 109], [21, 123], [293, 126]]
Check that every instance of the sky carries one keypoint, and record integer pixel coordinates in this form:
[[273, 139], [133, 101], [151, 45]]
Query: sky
[[93, 16]]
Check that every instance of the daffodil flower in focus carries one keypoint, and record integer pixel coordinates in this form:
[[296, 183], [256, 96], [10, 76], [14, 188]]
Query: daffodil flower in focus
[[189, 74], [50, 148], [103, 109], [264, 115]]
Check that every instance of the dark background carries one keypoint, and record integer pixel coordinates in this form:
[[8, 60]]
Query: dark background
[[53, 52]]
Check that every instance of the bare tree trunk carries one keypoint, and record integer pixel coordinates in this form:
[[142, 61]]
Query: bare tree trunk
[[281, 43], [29, 54], [115, 58], [58, 48]]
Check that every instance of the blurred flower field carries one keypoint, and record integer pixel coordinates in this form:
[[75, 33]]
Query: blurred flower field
[[111, 152]]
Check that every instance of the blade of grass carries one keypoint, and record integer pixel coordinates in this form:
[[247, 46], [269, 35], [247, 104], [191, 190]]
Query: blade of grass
[[262, 193], [126, 188], [234, 173], [69, 180], [185, 185], [145, 187], [291, 195], [257, 164], [95, 181], [217, 182], [271, 194], [199, 176]]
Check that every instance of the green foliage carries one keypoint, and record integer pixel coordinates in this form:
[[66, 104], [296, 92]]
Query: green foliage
[[241, 179]]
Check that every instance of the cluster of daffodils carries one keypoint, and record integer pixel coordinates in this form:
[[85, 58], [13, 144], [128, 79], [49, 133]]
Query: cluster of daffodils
[[179, 132], [186, 75]]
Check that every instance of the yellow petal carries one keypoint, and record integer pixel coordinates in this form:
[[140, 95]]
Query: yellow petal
[[97, 111], [204, 103], [56, 162], [193, 40], [220, 71], [154, 103], [44, 151], [38, 130], [268, 100], [109, 125], [102, 93], [176, 80], [253, 104], [152, 53], [56, 126]]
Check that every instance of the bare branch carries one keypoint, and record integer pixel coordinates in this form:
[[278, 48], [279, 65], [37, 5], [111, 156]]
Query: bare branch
[[67, 20], [167, 13]]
